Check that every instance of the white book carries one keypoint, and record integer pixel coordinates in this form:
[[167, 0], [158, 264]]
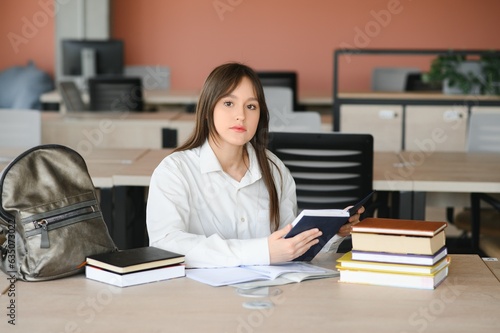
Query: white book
[[135, 278], [417, 281], [292, 271]]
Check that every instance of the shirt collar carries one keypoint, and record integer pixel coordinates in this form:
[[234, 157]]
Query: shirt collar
[[208, 160], [210, 163]]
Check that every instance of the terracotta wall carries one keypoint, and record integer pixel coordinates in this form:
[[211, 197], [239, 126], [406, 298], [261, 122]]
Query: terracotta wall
[[193, 36], [27, 33]]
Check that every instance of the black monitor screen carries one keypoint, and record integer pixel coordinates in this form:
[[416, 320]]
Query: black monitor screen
[[108, 56]]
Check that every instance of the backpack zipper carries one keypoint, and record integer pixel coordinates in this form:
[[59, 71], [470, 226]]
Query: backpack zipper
[[42, 225]]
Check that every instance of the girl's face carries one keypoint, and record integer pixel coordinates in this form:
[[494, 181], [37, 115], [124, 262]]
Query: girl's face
[[237, 114]]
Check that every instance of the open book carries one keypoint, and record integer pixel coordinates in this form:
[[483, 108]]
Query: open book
[[286, 273]]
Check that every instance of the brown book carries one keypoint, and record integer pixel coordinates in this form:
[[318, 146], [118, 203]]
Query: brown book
[[134, 260], [398, 236], [399, 227], [364, 241]]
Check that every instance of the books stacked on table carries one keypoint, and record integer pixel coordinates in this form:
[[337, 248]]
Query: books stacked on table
[[400, 253], [135, 266]]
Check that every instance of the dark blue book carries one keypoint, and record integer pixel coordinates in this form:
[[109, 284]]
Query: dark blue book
[[328, 221]]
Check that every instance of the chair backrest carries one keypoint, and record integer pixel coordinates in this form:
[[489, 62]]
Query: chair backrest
[[331, 170], [20, 128], [281, 79], [71, 96], [301, 121], [391, 78], [279, 100], [484, 130], [116, 94], [415, 82]]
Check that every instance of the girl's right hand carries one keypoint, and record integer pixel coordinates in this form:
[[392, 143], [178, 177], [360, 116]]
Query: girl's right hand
[[286, 249]]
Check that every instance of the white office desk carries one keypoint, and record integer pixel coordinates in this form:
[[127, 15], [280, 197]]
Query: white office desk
[[151, 96], [467, 301], [186, 97], [89, 130], [139, 173]]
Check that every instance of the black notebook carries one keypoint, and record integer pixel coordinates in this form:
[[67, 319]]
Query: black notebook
[[133, 260]]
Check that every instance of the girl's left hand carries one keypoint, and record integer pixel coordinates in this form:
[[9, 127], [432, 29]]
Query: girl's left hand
[[346, 229]]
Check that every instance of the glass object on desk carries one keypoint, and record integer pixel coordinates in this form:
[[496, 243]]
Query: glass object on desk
[[259, 292]]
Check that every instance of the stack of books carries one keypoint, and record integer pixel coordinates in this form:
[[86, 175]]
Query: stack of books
[[135, 266], [400, 253]]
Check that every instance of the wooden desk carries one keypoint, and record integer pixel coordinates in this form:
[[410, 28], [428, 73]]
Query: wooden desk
[[453, 171], [186, 97], [406, 96], [494, 266], [89, 130], [151, 96], [385, 165], [139, 173], [85, 130], [101, 163], [448, 174], [467, 301]]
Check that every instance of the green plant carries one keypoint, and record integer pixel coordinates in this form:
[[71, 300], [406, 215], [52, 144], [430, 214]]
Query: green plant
[[447, 68], [491, 74]]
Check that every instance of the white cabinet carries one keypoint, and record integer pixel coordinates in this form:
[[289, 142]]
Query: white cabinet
[[412, 127], [435, 128], [384, 122]]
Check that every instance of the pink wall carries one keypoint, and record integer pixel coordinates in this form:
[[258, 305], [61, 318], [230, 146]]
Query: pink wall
[[27, 33], [192, 36]]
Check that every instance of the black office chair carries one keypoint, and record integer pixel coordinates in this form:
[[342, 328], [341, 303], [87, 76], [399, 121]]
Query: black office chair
[[71, 96], [116, 94], [281, 79], [331, 170]]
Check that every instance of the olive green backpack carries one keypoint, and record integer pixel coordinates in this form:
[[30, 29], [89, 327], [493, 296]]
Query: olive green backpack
[[50, 217]]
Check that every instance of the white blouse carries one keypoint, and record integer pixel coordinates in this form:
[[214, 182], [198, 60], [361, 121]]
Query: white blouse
[[194, 208]]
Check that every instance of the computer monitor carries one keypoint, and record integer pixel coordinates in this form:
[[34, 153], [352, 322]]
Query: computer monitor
[[88, 58], [281, 79]]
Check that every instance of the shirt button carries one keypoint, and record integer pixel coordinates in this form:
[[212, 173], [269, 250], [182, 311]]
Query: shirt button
[[242, 219]]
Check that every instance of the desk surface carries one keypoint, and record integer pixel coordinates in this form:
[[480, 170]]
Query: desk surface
[[101, 163], [452, 171], [139, 173], [151, 96], [183, 97], [385, 164], [467, 301], [405, 96]]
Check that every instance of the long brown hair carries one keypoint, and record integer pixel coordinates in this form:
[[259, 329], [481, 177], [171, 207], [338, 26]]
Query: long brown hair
[[221, 81]]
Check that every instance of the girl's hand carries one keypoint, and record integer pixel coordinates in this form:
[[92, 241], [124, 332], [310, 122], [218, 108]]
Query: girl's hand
[[346, 229], [286, 249]]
